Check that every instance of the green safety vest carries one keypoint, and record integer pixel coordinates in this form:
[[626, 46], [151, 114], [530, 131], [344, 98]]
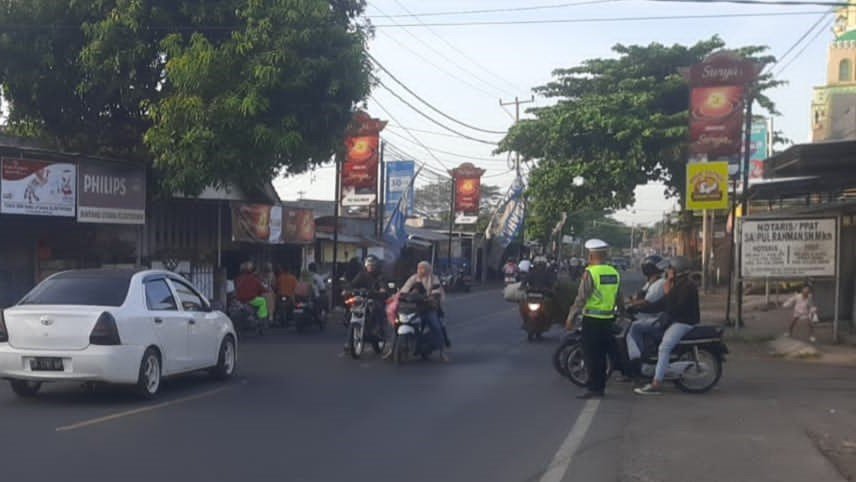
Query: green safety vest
[[606, 282]]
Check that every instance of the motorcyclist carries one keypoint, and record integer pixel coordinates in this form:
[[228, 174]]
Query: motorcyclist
[[682, 314], [510, 270], [250, 290], [541, 278], [647, 307], [425, 281], [372, 280]]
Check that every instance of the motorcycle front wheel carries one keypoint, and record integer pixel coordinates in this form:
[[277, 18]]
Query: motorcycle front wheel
[[401, 349], [355, 340], [703, 374]]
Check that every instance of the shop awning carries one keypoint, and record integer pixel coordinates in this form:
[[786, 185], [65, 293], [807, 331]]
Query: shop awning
[[360, 241], [426, 235]]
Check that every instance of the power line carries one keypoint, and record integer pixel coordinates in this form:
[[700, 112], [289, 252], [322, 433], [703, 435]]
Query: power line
[[431, 119], [424, 131], [498, 10], [807, 44], [600, 19], [389, 114], [449, 153], [799, 40], [430, 106], [772, 3], [438, 67], [443, 56], [461, 52]]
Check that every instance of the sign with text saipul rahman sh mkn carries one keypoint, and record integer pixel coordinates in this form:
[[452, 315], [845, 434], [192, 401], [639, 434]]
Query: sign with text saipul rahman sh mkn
[[789, 248]]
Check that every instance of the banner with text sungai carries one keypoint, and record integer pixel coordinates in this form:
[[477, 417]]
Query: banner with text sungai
[[789, 248]]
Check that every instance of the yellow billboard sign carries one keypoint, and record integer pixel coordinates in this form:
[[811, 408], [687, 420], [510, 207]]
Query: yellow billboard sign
[[707, 185]]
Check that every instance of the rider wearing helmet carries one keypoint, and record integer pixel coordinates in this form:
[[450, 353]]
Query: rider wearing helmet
[[647, 306], [682, 314], [371, 279]]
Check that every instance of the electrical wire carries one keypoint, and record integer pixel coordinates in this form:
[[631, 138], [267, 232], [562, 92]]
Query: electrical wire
[[798, 42], [499, 10], [440, 54], [440, 68], [463, 54], [772, 3], [389, 114], [430, 105], [449, 153], [600, 19], [802, 50], [431, 119]]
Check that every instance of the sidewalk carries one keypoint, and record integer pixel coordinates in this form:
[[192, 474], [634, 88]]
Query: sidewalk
[[763, 323]]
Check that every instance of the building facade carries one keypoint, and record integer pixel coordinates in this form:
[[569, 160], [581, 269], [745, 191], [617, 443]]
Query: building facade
[[833, 107]]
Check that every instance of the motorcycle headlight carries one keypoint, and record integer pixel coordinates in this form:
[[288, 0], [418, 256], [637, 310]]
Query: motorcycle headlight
[[405, 318], [534, 306]]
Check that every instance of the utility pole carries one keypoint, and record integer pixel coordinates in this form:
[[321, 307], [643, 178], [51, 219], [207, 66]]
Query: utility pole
[[516, 103]]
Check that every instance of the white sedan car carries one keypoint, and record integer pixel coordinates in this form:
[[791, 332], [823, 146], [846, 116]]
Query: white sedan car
[[114, 326]]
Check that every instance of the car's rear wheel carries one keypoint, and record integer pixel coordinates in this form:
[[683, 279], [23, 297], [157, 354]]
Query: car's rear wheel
[[149, 379], [227, 361], [25, 388]]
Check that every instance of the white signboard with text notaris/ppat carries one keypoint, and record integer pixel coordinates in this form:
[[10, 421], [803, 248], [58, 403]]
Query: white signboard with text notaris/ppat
[[789, 248]]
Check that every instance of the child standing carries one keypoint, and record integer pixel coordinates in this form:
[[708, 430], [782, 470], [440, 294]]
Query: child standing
[[804, 310]]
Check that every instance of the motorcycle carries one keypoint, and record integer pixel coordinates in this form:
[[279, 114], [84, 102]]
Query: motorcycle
[[695, 365], [412, 336], [244, 317], [535, 311], [284, 311], [308, 312], [360, 307], [457, 282]]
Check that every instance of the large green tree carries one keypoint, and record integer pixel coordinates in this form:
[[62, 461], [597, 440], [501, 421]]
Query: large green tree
[[210, 91], [616, 123]]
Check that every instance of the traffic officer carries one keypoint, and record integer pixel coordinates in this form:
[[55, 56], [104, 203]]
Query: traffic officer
[[598, 297]]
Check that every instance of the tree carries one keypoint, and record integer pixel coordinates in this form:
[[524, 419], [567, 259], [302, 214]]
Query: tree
[[434, 199], [617, 123], [211, 91]]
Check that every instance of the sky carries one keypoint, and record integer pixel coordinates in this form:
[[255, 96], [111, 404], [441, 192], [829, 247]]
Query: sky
[[464, 71]]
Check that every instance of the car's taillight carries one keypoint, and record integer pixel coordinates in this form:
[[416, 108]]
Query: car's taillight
[[4, 334], [105, 331]]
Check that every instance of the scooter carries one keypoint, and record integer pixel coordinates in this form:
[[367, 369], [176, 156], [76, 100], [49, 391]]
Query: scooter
[[412, 336], [307, 312], [536, 315], [695, 365], [284, 310], [360, 308]]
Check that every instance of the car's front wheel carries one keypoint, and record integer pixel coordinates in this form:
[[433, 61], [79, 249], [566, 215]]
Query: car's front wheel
[[149, 378], [227, 361], [25, 388]]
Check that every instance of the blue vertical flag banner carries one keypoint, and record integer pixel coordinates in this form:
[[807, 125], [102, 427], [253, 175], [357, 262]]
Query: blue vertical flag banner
[[398, 177], [395, 234], [760, 140], [507, 222]]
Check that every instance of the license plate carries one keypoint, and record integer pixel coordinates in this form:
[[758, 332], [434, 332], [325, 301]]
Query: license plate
[[46, 364]]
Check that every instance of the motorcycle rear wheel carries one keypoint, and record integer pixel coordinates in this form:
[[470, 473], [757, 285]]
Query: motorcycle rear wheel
[[707, 377], [577, 372]]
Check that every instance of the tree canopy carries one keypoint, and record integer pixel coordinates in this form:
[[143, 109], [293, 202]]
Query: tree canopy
[[617, 123], [211, 91], [433, 201]]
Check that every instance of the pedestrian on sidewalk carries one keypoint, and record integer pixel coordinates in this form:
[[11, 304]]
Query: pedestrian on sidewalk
[[804, 310]]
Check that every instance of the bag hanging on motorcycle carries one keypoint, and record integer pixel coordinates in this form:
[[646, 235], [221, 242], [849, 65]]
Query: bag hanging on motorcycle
[[514, 293]]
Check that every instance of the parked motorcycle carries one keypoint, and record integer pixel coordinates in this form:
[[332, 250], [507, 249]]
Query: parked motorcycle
[[695, 365], [457, 282], [307, 312], [284, 311], [360, 307], [412, 336], [244, 317], [536, 313]]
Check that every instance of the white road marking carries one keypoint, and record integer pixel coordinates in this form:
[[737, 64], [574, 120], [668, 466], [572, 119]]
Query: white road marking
[[562, 460], [137, 411]]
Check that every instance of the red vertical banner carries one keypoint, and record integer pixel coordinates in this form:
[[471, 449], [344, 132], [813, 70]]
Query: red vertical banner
[[360, 170], [467, 193], [716, 121]]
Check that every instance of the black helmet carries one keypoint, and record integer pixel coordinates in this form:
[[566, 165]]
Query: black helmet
[[681, 264], [649, 265]]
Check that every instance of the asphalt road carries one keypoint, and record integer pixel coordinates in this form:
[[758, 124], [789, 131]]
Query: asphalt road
[[299, 410]]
